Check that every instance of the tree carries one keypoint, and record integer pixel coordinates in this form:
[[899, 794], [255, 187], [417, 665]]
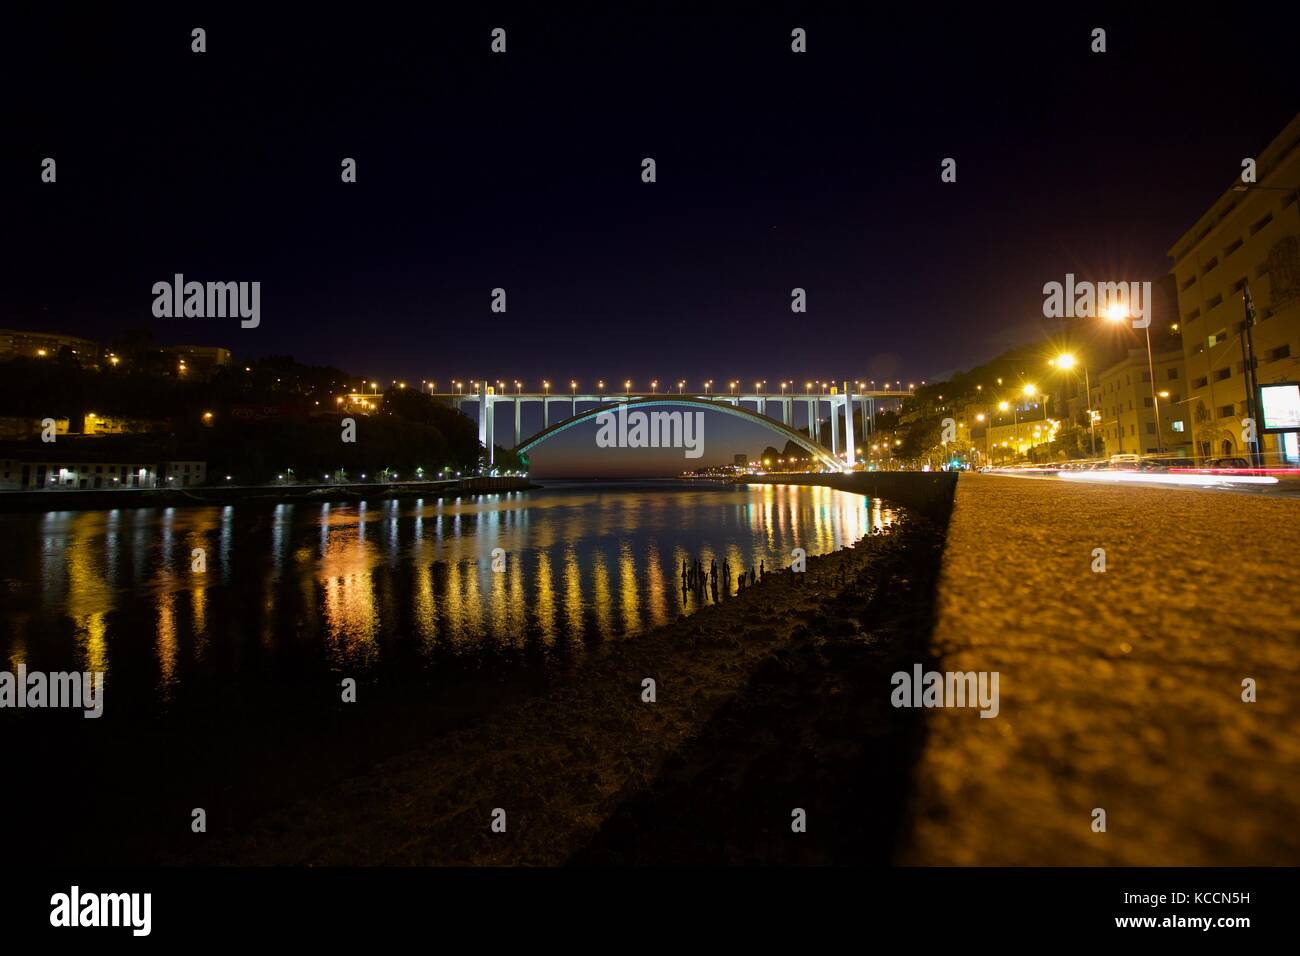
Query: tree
[[922, 436]]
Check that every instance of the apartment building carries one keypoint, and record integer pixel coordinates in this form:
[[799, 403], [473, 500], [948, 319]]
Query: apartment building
[[1249, 237], [1137, 418]]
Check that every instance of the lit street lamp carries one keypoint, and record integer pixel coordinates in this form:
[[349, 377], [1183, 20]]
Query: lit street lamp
[[1118, 313]]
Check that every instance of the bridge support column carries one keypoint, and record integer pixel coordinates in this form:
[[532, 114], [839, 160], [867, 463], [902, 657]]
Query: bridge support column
[[518, 408], [485, 424], [835, 432], [849, 442]]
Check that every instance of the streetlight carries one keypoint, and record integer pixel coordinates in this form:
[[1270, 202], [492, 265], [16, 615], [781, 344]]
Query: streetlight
[[1118, 313], [1015, 419], [1066, 361]]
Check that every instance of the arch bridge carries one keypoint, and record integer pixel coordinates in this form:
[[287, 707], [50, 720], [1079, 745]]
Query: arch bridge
[[774, 411]]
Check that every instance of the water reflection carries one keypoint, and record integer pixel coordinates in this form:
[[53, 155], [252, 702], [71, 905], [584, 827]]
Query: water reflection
[[403, 584]]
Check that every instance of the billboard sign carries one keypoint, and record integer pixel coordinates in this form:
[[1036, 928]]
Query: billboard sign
[[1279, 406]]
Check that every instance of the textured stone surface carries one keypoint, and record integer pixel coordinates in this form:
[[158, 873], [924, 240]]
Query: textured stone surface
[[1119, 690]]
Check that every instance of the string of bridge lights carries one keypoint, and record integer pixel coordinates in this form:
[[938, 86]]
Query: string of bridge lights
[[710, 387]]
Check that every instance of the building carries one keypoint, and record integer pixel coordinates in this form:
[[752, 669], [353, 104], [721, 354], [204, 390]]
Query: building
[[85, 463], [360, 403], [116, 425], [19, 428], [53, 472], [182, 474], [15, 343], [199, 361], [1250, 236], [999, 435], [1123, 395]]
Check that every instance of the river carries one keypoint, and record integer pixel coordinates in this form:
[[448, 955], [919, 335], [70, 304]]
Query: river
[[233, 672]]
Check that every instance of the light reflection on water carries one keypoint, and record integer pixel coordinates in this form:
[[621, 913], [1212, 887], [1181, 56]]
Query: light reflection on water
[[295, 588]]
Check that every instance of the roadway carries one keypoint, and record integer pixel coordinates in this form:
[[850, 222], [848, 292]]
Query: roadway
[[1282, 482], [1121, 689]]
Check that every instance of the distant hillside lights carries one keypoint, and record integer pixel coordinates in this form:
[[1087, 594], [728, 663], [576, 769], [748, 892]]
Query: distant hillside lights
[[210, 300]]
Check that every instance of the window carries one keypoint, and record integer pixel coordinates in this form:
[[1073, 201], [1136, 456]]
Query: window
[[1233, 247], [1239, 284], [1215, 302], [1261, 270], [1210, 265], [1191, 281], [1261, 224], [1146, 402], [1201, 382], [1192, 315], [1216, 338], [1281, 352], [1177, 426], [1222, 374], [1171, 374], [1226, 411], [1146, 376], [1151, 428]]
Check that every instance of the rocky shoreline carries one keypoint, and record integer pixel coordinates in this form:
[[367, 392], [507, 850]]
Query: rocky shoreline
[[775, 699]]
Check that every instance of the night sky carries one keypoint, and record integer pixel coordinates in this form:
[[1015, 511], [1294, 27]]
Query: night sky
[[522, 171]]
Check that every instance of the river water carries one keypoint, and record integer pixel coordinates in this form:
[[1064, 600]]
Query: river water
[[233, 670]]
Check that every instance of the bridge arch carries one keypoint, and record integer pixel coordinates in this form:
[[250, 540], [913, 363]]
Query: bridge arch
[[682, 401]]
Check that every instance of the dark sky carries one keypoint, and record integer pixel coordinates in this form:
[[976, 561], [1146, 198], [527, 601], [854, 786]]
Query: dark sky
[[522, 171]]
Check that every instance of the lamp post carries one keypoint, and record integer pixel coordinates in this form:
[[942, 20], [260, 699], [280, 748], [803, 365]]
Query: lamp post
[[1015, 420], [1118, 313], [1067, 362]]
